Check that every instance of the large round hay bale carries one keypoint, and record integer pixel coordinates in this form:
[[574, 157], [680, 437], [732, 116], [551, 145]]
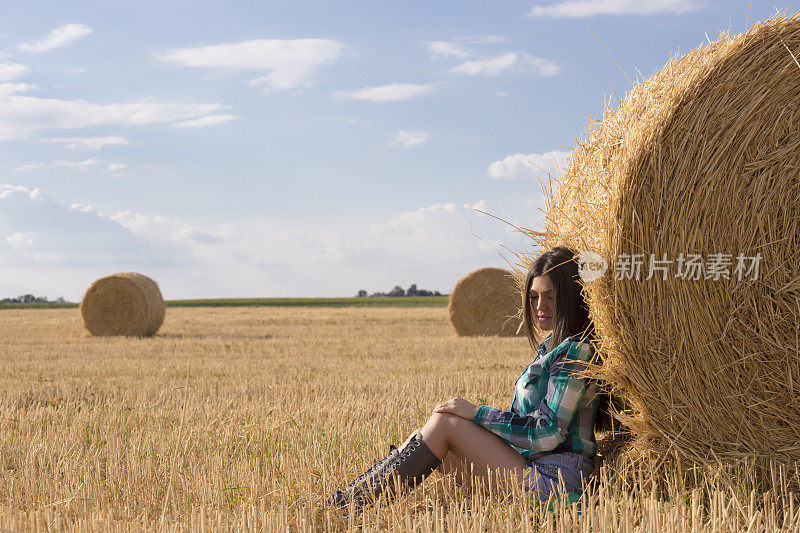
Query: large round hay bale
[[701, 158], [123, 304], [485, 302]]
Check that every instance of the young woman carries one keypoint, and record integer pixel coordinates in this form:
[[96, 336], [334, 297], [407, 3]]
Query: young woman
[[550, 427]]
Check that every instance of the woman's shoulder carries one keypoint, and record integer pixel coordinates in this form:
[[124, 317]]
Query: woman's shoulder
[[578, 346]]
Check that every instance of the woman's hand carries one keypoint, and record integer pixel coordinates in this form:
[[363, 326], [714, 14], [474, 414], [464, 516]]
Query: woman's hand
[[459, 407]]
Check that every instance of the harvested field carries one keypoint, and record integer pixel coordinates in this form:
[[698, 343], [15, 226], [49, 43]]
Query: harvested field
[[241, 417]]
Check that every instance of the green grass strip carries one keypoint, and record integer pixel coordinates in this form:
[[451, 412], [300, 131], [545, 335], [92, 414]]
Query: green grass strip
[[388, 301]]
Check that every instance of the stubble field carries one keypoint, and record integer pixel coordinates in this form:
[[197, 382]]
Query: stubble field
[[242, 418]]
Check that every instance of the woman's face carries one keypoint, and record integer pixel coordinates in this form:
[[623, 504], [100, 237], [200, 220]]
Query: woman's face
[[540, 298]]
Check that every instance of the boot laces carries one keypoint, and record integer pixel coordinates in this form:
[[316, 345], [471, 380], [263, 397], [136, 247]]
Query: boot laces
[[413, 444], [374, 468]]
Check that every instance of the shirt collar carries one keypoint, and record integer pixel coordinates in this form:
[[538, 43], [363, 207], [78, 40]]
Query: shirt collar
[[544, 346]]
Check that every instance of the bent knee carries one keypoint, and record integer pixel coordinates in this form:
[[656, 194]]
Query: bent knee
[[443, 418], [447, 421]]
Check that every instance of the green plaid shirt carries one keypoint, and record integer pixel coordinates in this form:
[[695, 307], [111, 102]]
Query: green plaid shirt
[[552, 410]]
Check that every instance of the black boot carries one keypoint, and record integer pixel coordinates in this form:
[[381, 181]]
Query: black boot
[[343, 498], [409, 466]]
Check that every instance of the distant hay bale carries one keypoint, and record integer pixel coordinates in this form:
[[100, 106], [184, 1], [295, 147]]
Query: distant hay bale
[[701, 158], [123, 304], [485, 302]]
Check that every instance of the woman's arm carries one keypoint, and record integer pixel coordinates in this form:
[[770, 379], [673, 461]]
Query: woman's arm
[[459, 407], [547, 427]]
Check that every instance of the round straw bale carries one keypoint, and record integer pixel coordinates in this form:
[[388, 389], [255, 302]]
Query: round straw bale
[[700, 162], [485, 302], [123, 304]]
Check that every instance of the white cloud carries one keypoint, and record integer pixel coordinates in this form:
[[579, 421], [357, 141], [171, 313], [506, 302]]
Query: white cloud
[[448, 49], [521, 166], [30, 166], [418, 217], [44, 234], [508, 62], [484, 39], [63, 35], [11, 71], [457, 48], [77, 165], [473, 64], [50, 249], [113, 167], [448, 238], [7, 89], [21, 239], [82, 208], [91, 143], [288, 62], [22, 115], [491, 66], [409, 138], [590, 8], [204, 121], [387, 93]]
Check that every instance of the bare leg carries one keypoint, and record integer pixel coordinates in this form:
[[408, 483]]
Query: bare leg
[[451, 463], [400, 448], [455, 439], [460, 470]]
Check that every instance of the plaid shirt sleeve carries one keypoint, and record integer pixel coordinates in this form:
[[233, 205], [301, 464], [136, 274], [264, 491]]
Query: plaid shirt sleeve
[[546, 427]]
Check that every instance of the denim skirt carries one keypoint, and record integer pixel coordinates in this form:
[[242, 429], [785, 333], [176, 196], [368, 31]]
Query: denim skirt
[[542, 477]]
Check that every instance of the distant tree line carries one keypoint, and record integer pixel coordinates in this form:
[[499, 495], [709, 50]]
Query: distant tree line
[[399, 291], [31, 299]]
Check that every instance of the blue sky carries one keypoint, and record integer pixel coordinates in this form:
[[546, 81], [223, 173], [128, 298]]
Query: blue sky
[[305, 148]]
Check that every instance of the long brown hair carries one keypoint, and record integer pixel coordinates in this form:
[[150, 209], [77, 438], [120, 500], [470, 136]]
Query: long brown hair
[[571, 314]]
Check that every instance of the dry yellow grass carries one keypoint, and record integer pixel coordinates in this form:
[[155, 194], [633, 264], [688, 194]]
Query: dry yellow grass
[[240, 418]]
